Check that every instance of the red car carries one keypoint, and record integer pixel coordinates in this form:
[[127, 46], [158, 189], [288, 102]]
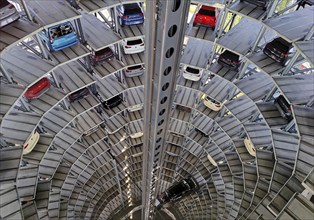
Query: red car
[[205, 16], [37, 89]]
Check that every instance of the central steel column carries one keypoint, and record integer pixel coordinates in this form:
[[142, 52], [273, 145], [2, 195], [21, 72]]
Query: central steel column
[[164, 33]]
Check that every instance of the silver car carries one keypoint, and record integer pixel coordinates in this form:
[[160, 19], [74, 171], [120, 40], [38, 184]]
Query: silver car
[[8, 13]]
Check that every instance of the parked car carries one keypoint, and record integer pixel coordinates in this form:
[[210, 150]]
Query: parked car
[[229, 60], [206, 16], [283, 107], [31, 142], [113, 102], [178, 190], [39, 88], [211, 160], [192, 73], [134, 45], [133, 71], [260, 3], [249, 146], [137, 134], [8, 13], [279, 50], [130, 14], [133, 108], [78, 95], [212, 103], [101, 55], [59, 37]]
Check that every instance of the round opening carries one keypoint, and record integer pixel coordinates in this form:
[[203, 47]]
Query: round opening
[[167, 71], [164, 99], [161, 122], [162, 112], [159, 132], [165, 87], [176, 5], [169, 52], [172, 30]]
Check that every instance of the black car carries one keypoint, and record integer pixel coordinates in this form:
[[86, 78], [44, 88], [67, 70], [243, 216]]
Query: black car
[[283, 107], [278, 49], [80, 94], [229, 60], [259, 3], [113, 102], [178, 190]]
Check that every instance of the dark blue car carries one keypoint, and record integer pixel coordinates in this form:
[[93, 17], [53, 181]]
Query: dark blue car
[[59, 37], [130, 14]]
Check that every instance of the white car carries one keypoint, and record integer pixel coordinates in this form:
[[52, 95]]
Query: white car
[[137, 134], [133, 45], [212, 103], [192, 73], [249, 146], [8, 13], [136, 70], [211, 160], [137, 107], [31, 142]]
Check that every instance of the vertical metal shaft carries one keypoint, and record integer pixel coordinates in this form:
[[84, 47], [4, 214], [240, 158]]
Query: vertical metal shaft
[[164, 33]]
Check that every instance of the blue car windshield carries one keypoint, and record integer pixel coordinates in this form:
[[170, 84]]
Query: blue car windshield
[[60, 31]]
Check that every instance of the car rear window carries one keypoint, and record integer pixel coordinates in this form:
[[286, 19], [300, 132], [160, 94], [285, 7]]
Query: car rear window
[[132, 11], [4, 3], [206, 12], [103, 51], [134, 42], [192, 70], [135, 67], [230, 55], [279, 43]]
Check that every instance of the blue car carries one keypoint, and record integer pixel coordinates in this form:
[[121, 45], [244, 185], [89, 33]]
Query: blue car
[[59, 37], [130, 14]]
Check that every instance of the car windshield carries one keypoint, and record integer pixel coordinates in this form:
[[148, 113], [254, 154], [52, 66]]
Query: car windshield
[[192, 70], [134, 42], [206, 12], [212, 100], [61, 30], [135, 67]]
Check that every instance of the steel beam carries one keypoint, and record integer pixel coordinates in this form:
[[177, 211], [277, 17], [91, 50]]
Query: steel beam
[[164, 34]]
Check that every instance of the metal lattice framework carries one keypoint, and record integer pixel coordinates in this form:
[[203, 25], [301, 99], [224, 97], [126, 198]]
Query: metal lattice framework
[[87, 163]]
